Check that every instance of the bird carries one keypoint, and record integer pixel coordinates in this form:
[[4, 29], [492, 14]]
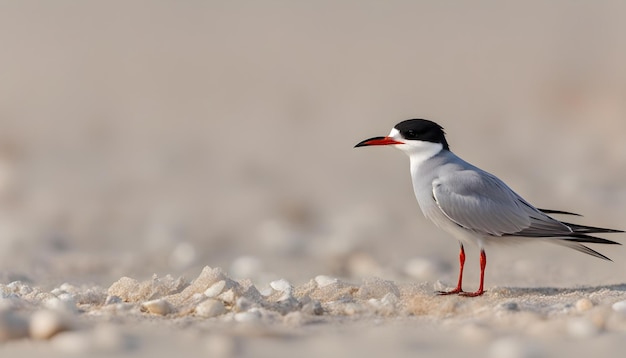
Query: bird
[[475, 206]]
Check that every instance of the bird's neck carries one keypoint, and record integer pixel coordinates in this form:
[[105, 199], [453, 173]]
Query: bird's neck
[[424, 152]]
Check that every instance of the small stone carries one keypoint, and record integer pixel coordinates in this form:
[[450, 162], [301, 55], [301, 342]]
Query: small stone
[[207, 278], [227, 297], [281, 285], [619, 306], [19, 288], [249, 291], [57, 291], [215, 289], [266, 291], [158, 306], [210, 308], [62, 303], [584, 304], [390, 299], [68, 287], [111, 300], [351, 309], [311, 307], [45, 324], [323, 281], [242, 304]]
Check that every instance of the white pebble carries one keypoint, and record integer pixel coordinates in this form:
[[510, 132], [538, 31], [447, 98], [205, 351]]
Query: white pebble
[[351, 309], [19, 288], [46, 323], [323, 281], [584, 304], [266, 291], [64, 302], [281, 285], [67, 287], [210, 308], [215, 289], [158, 306], [110, 300], [390, 299], [227, 297], [57, 291], [619, 306]]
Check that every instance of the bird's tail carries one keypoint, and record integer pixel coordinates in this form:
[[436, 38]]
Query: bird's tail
[[581, 235]]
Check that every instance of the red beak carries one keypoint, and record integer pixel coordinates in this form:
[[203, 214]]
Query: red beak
[[378, 141]]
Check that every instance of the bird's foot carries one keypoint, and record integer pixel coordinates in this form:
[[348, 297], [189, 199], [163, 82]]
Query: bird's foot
[[453, 292], [460, 292], [472, 294]]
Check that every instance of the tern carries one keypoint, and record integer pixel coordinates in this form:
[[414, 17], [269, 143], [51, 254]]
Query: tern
[[473, 205]]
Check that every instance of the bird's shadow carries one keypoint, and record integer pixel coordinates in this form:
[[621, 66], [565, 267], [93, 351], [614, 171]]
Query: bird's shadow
[[554, 291]]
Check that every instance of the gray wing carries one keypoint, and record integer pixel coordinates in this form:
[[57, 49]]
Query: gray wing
[[480, 202]]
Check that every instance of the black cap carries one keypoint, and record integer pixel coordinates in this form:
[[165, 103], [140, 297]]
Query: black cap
[[424, 130]]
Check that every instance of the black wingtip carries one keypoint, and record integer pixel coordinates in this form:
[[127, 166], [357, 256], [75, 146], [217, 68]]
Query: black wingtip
[[582, 229], [560, 212], [590, 239]]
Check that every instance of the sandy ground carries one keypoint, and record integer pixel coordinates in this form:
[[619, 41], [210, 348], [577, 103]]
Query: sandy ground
[[179, 178]]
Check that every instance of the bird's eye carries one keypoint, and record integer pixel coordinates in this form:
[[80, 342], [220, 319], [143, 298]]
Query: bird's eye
[[410, 134]]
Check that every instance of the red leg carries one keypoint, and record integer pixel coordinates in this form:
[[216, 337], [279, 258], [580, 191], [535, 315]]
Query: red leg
[[483, 264], [458, 288]]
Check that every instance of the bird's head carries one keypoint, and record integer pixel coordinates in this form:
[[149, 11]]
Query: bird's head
[[416, 137]]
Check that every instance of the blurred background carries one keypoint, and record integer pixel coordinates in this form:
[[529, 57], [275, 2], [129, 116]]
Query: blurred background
[[142, 137]]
